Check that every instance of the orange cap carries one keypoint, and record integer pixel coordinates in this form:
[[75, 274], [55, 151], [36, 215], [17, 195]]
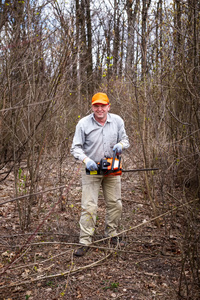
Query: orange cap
[[100, 98]]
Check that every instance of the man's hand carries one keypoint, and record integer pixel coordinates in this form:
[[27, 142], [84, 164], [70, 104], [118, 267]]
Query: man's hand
[[118, 148], [90, 164]]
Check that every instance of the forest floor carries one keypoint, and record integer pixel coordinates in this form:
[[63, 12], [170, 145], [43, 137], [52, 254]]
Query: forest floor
[[39, 264]]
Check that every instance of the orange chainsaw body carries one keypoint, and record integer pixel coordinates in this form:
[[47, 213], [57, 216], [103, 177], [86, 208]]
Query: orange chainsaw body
[[108, 166]]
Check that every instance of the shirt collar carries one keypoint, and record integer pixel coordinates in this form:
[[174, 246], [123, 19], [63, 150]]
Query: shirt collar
[[109, 119]]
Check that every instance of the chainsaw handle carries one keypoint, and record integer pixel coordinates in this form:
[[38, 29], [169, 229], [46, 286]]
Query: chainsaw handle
[[114, 156]]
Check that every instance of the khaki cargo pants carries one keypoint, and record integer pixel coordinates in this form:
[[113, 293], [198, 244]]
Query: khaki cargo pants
[[111, 186]]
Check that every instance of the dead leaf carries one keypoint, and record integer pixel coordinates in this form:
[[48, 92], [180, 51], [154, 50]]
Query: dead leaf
[[25, 273], [5, 254], [78, 294], [40, 270], [29, 293]]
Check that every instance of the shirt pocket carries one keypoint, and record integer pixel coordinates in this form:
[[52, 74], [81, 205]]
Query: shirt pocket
[[113, 139]]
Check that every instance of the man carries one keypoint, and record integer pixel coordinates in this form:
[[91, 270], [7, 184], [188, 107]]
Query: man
[[97, 136]]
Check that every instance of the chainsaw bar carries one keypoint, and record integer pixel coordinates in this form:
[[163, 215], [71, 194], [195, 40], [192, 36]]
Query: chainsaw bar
[[113, 166]]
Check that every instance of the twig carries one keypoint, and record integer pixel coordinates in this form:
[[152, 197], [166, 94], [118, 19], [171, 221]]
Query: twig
[[72, 263], [39, 278], [145, 259], [34, 194], [95, 242], [39, 233], [23, 254], [124, 231], [147, 222], [41, 262], [176, 118], [135, 202], [37, 229]]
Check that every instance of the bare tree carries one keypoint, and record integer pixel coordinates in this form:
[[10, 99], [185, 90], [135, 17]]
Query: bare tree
[[132, 14]]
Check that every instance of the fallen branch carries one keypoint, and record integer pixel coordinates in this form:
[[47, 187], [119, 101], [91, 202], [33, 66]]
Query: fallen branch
[[18, 255], [39, 278], [147, 222], [95, 242], [33, 194], [41, 262], [72, 263]]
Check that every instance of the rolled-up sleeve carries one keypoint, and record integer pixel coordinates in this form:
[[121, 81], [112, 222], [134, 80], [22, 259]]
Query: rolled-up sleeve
[[78, 142], [123, 138]]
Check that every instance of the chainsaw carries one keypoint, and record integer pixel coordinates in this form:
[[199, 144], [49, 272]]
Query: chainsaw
[[113, 166]]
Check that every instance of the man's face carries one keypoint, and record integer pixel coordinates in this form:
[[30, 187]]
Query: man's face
[[100, 111]]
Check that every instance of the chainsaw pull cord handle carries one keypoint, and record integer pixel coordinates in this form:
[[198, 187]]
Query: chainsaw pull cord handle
[[113, 161]]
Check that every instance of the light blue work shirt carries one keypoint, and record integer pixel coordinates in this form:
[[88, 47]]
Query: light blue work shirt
[[96, 141]]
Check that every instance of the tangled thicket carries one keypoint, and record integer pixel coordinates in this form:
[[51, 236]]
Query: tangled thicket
[[143, 54]]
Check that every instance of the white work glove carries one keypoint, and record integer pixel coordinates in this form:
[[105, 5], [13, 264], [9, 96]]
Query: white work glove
[[90, 164], [118, 148]]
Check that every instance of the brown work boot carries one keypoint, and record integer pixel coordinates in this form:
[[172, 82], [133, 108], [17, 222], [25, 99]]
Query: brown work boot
[[117, 241], [81, 251]]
